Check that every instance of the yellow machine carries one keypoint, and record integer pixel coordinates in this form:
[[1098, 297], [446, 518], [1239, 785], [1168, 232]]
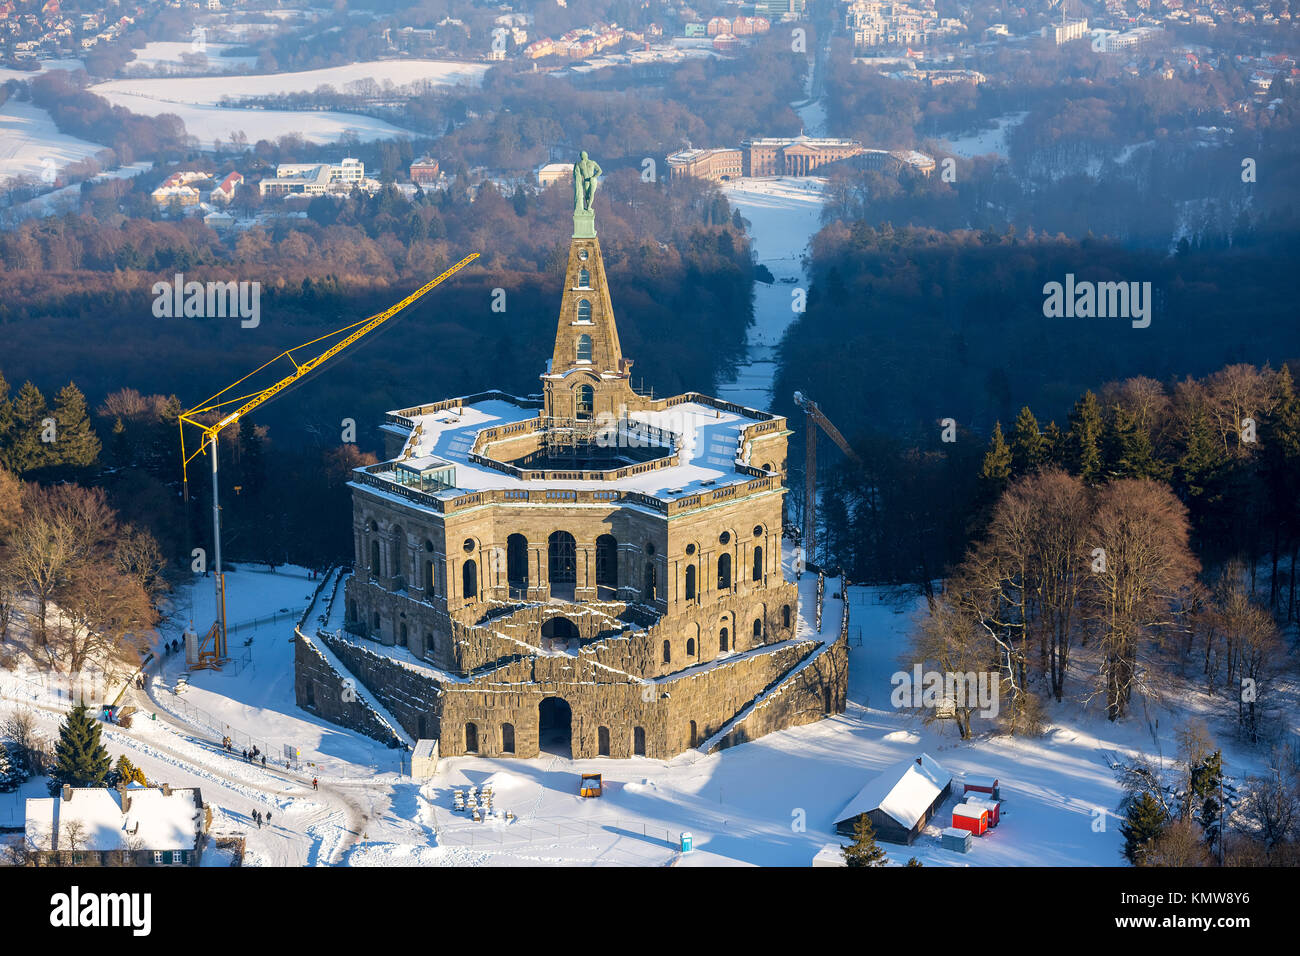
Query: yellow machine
[[212, 647]]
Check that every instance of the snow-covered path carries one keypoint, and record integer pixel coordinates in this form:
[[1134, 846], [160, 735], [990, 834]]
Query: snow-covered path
[[783, 214]]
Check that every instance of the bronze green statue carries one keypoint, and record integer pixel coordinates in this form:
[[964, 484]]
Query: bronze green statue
[[585, 173]]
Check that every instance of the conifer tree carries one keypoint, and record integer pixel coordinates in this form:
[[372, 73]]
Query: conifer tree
[[1083, 456], [6, 421], [863, 851], [80, 760], [27, 452], [9, 775], [1142, 826], [1126, 447], [1028, 447], [77, 444], [1200, 459], [1054, 445], [996, 472]]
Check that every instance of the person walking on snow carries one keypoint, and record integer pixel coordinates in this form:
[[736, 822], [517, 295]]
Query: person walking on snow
[[313, 783]]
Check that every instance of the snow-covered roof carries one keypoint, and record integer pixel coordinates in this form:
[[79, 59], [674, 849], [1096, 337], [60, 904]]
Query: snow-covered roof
[[904, 791], [710, 445], [152, 820], [970, 809]]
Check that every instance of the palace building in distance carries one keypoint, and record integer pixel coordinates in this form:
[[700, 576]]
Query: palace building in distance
[[589, 571]]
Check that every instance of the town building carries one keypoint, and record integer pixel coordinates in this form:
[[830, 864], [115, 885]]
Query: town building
[[424, 171], [588, 571], [314, 179], [129, 825], [1064, 32], [225, 190], [794, 156], [717, 165]]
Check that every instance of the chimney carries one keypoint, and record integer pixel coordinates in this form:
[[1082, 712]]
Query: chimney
[[67, 791]]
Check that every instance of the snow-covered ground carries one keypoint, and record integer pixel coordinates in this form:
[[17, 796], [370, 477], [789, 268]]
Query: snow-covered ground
[[197, 100], [783, 214], [210, 91], [985, 141], [9, 73], [768, 802], [167, 54], [32, 147]]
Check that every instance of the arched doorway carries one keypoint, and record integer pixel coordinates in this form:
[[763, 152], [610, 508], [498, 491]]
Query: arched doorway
[[562, 561], [586, 407], [555, 726], [638, 741], [606, 567], [517, 565], [558, 632], [469, 580]]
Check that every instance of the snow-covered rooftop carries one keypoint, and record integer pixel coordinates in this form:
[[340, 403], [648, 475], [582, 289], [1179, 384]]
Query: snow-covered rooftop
[[151, 820], [904, 791], [710, 447]]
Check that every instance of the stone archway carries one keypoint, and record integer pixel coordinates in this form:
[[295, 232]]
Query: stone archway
[[558, 633], [555, 727]]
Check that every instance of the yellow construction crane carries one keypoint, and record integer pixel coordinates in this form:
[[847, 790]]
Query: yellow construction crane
[[212, 648], [815, 418]]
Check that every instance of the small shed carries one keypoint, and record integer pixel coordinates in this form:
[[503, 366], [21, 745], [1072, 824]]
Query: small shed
[[971, 817], [899, 801], [955, 838], [988, 785], [424, 759], [994, 808]]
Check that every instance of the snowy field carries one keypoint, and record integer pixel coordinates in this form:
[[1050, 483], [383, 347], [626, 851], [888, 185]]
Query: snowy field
[[197, 100], [167, 54], [211, 91], [32, 147], [8, 73], [985, 141], [783, 214]]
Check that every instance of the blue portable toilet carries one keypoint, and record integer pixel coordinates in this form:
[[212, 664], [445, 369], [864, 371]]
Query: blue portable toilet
[[688, 842]]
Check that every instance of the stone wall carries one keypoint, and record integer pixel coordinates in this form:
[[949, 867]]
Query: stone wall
[[319, 688]]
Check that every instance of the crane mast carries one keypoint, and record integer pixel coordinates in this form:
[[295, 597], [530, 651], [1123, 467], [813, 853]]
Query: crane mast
[[212, 649], [815, 418]]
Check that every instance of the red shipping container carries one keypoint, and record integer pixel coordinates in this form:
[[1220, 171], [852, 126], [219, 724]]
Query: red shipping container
[[967, 816]]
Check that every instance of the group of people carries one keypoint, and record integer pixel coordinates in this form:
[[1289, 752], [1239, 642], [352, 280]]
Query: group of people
[[259, 818], [251, 756]]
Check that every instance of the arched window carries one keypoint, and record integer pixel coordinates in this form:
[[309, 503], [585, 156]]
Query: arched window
[[651, 582], [517, 565], [638, 741], [471, 738], [758, 565], [396, 564], [668, 652], [606, 566], [584, 278], [724, 572], [602, 741], [586, 406], [690, 647], [695, 738], [584, 310], [507, 738], [722, 640], [402, 637], [428, 643], [785, 616], [584, 348], [469, 580], [758, 628], [374, 557], [690, 582], [428, 578], [562, 561]]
